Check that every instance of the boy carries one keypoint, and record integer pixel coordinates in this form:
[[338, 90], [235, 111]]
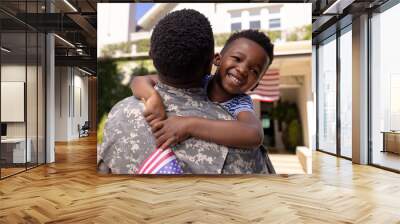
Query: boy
[[240, 66]]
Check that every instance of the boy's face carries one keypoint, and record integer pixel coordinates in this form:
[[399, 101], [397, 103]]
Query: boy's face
[[241, 65]]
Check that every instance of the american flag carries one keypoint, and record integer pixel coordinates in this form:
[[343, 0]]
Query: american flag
[[268, 87], [161, 162]]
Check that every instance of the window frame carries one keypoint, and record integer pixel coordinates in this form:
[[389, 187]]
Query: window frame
[[327, 37]]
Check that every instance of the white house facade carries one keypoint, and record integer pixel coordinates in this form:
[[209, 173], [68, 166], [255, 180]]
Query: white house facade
[[226, 18]]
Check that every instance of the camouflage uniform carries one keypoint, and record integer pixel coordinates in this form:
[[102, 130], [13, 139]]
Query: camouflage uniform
[[128, 140]]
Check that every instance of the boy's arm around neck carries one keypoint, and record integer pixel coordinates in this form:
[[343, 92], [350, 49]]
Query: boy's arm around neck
[[245, 132], [143, 86]]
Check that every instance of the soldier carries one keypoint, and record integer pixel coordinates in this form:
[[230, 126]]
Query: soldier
[[182, 49]]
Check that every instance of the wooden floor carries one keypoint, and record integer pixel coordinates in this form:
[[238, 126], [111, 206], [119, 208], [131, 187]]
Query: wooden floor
[[286, 164], [70, 191], [10, 171], [5, 172], [387, 159]]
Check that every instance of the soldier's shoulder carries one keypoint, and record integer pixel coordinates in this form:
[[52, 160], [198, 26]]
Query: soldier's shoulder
[[129, 104]]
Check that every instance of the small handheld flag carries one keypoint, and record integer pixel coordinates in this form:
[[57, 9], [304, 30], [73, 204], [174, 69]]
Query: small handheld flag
[[161, 162]]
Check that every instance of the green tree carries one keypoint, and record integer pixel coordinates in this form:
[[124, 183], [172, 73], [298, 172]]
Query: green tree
[[109, 86], [140, 70], [308, 32], [288, 117]]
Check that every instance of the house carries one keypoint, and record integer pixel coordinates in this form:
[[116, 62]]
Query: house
[[108, 16]]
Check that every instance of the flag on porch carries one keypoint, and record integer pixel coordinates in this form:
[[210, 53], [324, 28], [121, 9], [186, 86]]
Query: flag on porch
[[268, 88]]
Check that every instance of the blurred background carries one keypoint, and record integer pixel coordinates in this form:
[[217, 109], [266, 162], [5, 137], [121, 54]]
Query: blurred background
[[284, 99]]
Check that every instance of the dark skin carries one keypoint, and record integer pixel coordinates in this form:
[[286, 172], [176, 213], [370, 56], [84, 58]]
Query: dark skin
[[142, 88], [240, 67]]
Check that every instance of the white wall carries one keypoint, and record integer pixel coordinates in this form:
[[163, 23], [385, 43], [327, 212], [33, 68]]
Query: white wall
[[219, 14], [70, 83], [115, 22], [304, 98], [61, 106], [294, 15], [50, 95], [80, 110], [14, 72]]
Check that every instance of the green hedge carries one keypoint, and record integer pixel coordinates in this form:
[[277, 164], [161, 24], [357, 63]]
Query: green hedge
[[221, 38], [300, 33], [273, 34], [126, 47], [143, 45]]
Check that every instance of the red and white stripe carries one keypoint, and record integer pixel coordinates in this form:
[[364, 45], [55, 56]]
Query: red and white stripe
[[268, 88], [156, 161]]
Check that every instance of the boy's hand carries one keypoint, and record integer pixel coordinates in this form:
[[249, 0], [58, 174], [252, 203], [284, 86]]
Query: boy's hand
[[154, 109], [171, 131]]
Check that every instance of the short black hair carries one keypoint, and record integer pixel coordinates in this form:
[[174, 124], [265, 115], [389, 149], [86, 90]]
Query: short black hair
[[259, 37], [182, 43]]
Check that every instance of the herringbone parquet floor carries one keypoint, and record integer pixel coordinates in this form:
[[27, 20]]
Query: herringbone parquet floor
[[70, 191]]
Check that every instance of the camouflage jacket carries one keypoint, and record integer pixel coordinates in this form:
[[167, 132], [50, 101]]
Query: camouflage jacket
[[128, 140]]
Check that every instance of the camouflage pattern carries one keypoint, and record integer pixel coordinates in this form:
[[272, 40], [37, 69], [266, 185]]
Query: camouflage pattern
[[128, 140]]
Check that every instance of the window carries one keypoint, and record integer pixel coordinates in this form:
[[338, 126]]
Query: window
[[327, 96], [22, 75], [275, 23], [254, 12], [274, 10], [394, 102], [236, 14], [255, 25], [236, 21], [385, 88], [346, 93], [236, 27]]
